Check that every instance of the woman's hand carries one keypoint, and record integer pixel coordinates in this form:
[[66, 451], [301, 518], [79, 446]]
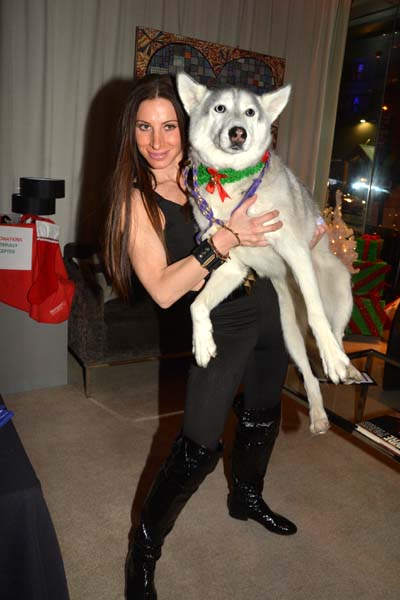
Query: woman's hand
[[250, 230], [319, 232]]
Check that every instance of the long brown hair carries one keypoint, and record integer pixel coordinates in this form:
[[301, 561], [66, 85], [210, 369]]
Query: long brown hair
[[132, 169]]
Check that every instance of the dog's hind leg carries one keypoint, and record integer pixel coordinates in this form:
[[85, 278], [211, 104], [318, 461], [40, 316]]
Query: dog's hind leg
[[335, 288], [295, 344], [221, 283], [334, 360]]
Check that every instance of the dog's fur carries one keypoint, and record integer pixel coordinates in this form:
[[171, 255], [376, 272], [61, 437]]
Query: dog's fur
[[323, 280]]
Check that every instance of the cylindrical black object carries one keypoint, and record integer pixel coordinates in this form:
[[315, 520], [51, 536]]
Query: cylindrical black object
[[36, 187], [37, 195], [33, 206]]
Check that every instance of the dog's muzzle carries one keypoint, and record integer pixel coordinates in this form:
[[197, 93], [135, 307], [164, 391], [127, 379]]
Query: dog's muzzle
[[237, 136]]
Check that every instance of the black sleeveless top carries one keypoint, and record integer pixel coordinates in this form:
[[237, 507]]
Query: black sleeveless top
[[175, 322], [179, 229], [179, 232]]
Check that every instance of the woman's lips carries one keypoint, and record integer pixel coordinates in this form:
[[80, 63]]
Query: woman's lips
[[158, 155]]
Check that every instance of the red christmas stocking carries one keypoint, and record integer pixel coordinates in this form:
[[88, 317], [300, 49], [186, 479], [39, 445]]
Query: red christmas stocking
[[44, 275]]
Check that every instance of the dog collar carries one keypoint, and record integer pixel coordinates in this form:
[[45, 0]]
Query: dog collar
[[202, 203], [213, 177], [229, 175]]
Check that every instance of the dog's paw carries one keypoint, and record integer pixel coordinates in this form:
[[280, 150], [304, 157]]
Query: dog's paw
[[204, 348], [319, 426], [353, 375], [203, 355], [336, 364]]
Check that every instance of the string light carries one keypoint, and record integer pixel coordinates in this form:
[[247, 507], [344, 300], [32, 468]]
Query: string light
[[341, 237]]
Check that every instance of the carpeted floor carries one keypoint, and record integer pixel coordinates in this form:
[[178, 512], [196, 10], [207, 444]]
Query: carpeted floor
[[96, 458]]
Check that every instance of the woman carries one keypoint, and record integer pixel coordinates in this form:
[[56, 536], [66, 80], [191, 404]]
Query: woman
[[150, 229]]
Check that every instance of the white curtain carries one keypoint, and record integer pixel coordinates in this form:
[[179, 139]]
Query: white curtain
[[64, 69]]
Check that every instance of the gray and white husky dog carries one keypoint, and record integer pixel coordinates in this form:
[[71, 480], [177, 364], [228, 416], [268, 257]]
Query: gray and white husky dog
[[230, 128]]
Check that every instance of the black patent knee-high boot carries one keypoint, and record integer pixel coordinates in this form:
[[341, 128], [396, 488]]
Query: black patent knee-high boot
[[180, 476], [256, 432]]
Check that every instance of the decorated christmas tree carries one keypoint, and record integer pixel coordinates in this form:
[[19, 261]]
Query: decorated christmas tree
[[361, 256], [341, 237]]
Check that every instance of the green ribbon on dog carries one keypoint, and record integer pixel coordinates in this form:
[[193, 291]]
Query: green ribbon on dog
[[230, 175]]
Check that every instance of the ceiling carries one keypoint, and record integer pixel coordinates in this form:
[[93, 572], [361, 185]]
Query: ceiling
[[360, 8]]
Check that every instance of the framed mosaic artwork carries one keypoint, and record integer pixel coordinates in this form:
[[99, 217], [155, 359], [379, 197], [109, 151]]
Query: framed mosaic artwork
[[208, 63]]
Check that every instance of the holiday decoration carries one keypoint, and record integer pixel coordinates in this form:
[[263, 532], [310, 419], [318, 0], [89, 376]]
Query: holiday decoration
[[370, 278], [367, 271], [368, 316], [341, 237], [369, 247]]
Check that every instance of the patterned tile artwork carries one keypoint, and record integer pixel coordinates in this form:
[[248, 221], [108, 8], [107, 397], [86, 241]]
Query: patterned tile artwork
[[208, 63]]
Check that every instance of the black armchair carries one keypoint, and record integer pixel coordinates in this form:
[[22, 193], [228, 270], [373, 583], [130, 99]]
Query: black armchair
[[111, 332]]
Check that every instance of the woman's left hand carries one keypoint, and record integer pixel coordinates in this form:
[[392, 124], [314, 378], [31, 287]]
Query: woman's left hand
[[319, 232]]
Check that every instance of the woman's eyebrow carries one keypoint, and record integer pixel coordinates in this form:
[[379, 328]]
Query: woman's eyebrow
[[163, 123]]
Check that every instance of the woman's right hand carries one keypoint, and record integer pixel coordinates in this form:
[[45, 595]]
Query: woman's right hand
[[250, 230]]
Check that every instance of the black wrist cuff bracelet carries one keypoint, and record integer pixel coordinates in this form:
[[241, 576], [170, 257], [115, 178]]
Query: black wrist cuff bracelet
[[207, 256]]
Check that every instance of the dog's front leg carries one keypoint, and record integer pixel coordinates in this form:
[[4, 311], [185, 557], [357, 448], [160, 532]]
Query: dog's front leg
[[221, 283]]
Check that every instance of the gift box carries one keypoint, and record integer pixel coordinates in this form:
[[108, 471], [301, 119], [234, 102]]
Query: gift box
[[369, 247], [368, 316], [370, 278]]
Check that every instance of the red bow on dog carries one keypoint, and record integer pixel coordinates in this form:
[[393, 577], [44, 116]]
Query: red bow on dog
[[215, 182]]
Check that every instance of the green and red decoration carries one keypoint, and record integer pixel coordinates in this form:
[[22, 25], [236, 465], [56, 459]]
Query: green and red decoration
[[212, 177], [215, 182], [368, 316], [369, 247], [370, 278]]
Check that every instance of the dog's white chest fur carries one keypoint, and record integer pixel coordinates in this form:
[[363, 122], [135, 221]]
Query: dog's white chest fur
[[279, 189]]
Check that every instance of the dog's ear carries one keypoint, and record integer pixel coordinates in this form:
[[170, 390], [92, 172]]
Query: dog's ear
[[190, 92], [275, 102]]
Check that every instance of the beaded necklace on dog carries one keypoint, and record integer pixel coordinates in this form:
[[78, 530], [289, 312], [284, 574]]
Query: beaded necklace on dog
[[202, 174]]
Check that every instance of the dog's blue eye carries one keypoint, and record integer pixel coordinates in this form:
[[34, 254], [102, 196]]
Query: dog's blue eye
[[220, 108], [250, 112]]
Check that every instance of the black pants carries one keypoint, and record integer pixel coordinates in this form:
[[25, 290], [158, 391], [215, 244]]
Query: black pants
[[249, 339]]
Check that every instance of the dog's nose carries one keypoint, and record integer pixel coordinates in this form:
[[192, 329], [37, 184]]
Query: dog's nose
[[238, 136]]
